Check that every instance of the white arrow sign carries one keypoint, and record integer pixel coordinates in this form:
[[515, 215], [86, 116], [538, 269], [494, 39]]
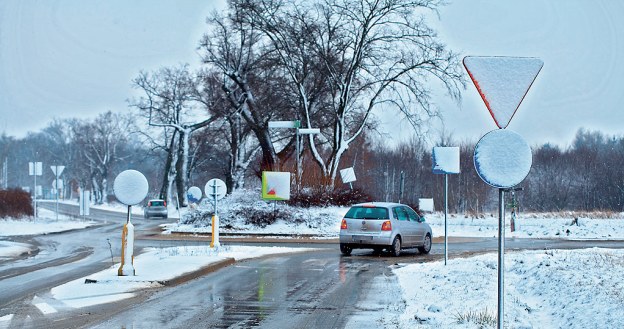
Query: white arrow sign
[[502, 82]]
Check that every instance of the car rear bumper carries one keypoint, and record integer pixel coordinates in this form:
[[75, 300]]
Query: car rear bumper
[[156, 214], [365, 241]]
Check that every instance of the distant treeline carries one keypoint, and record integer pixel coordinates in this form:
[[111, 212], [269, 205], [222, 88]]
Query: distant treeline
[[586, 176]]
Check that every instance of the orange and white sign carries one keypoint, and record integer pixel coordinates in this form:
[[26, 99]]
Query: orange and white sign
[[502, 82]]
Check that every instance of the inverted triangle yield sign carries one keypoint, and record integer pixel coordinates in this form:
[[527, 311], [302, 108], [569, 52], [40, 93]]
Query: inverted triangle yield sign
[[502, 82]]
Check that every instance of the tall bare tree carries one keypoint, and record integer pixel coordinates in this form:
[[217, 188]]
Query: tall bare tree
[[370, 53], [170, 103], [252, 88]]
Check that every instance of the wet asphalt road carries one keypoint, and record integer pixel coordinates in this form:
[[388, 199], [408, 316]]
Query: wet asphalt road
[[320, 289], [310, 290]]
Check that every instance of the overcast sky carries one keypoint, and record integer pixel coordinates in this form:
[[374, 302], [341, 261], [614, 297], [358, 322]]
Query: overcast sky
[[61, 59]]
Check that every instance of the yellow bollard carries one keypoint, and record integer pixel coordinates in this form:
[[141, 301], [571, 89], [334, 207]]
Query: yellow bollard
[[127, 250], [215, 232]]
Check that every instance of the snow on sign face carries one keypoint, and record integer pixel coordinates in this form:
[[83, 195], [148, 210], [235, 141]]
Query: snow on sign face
[[502, 82], [502, 158], [215, 189], [275, 185], [194, 194], [445, 160], [130, 187]]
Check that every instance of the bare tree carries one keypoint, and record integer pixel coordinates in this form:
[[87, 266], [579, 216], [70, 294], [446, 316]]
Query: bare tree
[[170, 103], [372, 54], [252, 88], [99, 142]]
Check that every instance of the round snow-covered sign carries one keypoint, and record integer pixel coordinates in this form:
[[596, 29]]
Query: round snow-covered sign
[[502, 158], [215, 188], [130, 187], [194, 194]]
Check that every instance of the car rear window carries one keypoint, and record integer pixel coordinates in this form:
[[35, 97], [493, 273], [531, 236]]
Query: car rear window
[[157, 203], [367, 213]]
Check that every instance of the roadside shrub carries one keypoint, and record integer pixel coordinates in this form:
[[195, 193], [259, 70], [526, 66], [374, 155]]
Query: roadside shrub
[[307, 198], [262, 216], [15, 203], [482, 318]]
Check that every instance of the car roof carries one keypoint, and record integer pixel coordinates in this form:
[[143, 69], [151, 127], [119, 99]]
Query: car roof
[[379, 204]]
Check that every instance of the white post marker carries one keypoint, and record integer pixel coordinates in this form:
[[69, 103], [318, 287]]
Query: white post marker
[[215, 190], [57, 184], [35, 169], [445, 161], [130, 188], [502, 158]]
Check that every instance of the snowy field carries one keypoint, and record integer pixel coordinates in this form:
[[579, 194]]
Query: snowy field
[[45, 223], [543, 289]]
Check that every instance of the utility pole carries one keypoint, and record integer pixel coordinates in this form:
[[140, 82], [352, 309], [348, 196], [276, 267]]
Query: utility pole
[[5, 174]]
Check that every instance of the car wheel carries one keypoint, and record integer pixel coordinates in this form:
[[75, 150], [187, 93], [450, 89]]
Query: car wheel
[[345, 250], [426, 248], [396, 246]]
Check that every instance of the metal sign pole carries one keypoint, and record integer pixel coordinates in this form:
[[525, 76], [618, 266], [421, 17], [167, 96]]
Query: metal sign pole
[[56, 188], [298, 178], [445, 214], [501, 257], [35, 190]]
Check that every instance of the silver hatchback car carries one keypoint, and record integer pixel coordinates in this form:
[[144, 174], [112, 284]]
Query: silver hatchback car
[[384, 225]]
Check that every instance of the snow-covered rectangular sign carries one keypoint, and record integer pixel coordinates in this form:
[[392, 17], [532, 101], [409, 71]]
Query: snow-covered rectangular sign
[[426, 205], [445, 160], [275, 185], [347, 175]]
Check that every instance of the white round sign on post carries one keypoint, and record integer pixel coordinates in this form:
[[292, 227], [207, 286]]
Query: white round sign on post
[[194, 194], [130, 187], [215, 187], [502, 158]]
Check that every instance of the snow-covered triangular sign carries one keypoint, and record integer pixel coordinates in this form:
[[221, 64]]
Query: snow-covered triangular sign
[[502, 82]]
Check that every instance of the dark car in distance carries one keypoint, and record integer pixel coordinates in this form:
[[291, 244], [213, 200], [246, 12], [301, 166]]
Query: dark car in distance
[[155, 208]]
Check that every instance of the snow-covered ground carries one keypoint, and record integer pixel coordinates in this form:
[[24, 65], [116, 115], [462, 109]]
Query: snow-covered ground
[[543, 289], [10, 249], [326, 224], [150, 273], [44, 223]]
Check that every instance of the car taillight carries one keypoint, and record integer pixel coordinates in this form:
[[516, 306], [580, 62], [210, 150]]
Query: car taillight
[[343, 225], [149, 204], [164, 203], [386, 226]]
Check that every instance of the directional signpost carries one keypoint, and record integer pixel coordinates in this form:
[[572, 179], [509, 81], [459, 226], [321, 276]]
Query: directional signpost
[[215, 190], [57, 184], [502, 157]]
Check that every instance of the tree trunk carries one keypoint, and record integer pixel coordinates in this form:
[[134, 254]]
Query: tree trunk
[[166, 182]]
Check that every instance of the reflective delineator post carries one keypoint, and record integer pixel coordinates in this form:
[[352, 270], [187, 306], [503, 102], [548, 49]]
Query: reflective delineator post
[[215, 232], [215, 219], [445, 222], [127, 248], [501, 257]]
